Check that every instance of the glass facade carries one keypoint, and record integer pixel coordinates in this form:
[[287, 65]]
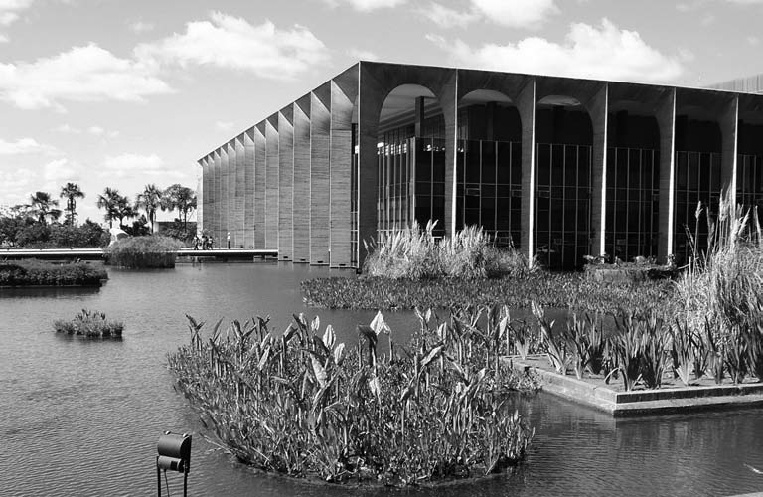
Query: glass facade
[[633, 187], [750, 181], [489, 188], [698, 179], [563, 204], [411, 184]]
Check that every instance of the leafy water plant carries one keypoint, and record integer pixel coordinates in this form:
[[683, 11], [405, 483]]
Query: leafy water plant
[[143, 252], [90, 324], [299, 403]]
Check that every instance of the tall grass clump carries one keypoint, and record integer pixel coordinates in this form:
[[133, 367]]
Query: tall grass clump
[[90, 324], [414, 253], [301, 404], [143, 252], [720, 291]]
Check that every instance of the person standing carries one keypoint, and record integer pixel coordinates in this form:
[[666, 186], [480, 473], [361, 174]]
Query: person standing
[[229, 239]]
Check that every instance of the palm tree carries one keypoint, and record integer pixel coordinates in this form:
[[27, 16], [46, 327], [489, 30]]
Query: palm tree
[[108, 201], [149, 200], [42, 207], [71, 192], [181, 198]]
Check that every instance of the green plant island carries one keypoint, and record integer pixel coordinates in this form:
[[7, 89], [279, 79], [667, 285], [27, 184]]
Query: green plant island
[[143, 252], [437, 409], [90, 324], [34, 272]]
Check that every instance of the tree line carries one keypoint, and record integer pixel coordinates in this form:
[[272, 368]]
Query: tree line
[[37, 223]]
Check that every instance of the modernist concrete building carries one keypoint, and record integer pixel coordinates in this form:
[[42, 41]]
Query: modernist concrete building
[[558, 167]]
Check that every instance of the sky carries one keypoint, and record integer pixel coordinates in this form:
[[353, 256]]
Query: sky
[[121, 94]]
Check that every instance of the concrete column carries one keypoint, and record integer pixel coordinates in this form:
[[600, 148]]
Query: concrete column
[[249, 188], [205, 192], [218, 203], [237, 235], [370, 101], [225, 224], [666, 120], [729, 124], [271, 182], [260, 163], [418, 117], [285, 182], [449, 103], [526, 107], [301, 197], [340, 177], [320, 187], [598, 109]]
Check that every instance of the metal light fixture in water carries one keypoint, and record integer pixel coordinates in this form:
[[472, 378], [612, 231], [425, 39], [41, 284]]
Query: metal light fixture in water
[[174, 455]]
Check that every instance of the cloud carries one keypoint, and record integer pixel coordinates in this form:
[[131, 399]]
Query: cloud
[[133, 165], [61, 171], [515, 13], [9, 10], [24, 146], [596, 52], [84, 74], [527, 14], [753, 40], [232, 43], [358, 54], [445, 17], [366, 5], [224, 125], [140, 27]]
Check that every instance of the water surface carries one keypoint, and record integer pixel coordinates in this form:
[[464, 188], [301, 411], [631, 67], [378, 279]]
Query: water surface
[[82, 417]]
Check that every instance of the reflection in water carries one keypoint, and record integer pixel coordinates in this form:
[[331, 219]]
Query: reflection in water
[[82, 417]]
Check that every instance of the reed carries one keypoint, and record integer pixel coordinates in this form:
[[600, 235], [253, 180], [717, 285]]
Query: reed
[[90, 324], [301, 404], [143, 252], [414, 253]]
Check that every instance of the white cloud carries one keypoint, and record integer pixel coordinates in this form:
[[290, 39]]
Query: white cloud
[[140, 27], [753, 40], [232, 43], [515, 13], [24, 146], [358, 54], [747, 2], [61, 171], [224, 125], [445, 17], [87, 73], [136, 166], [366, 5], [9, 10], [597, 52]]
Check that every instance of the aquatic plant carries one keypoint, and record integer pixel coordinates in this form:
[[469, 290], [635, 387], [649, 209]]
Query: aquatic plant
[[34, 272], [414, 253], [90, 324], [301, 404], [143, 252]]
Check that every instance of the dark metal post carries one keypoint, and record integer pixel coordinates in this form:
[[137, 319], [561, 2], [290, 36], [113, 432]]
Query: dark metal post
[[158, 478]]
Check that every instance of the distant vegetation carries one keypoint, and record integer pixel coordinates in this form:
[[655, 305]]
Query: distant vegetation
[[144, 252], [33, 272], [440, 408], [36, 224], [90, 324]]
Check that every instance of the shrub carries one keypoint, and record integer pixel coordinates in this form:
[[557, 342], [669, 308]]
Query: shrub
[[303, 405], [32, 272], [143, 252], [90, 324]]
